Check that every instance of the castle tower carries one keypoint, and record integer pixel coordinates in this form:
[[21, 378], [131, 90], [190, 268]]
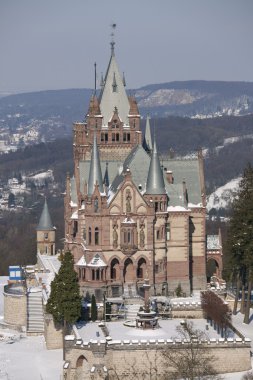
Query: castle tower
[[45, 233], [147, 141], [95, 174]]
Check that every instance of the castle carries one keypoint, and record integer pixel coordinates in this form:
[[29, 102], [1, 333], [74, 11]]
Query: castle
[[126, 215]]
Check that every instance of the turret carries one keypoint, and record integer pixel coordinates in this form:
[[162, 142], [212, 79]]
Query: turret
[[155, 187], [45, 233], [95, 174], [147, 141]]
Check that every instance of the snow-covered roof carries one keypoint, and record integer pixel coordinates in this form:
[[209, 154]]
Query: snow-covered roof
[[176, 208], [82, 262], [97, 261], [74, 215]]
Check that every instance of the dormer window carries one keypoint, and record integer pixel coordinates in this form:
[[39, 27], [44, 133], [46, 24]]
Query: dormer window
[[114, 84]]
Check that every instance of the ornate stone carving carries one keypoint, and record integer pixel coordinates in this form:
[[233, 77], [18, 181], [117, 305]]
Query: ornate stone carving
[[128, 201]]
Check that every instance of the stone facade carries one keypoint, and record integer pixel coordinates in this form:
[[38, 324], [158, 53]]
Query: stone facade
[[122, 231], [53, 333], [101, 360], [15, 307]]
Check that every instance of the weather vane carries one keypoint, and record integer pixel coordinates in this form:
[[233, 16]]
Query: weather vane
[[113, 26]]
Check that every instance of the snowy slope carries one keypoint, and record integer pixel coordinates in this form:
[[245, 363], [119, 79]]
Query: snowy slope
[[224, 195]]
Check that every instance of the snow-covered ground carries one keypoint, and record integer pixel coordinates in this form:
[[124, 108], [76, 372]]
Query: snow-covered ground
[[27, 358], [224, 195]]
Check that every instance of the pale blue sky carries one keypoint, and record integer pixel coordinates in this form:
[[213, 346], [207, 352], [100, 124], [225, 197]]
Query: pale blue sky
[[53, 44]]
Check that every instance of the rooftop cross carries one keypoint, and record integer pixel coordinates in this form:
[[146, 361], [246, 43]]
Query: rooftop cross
[[113, 26]]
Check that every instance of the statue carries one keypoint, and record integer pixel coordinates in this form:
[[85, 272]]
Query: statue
[[142, 236], [115, 236], [96, 205], [128, 201]]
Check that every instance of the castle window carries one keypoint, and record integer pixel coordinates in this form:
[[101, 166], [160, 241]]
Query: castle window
[[93, 274], [97, 274], [75, 228], [156, 268], [96, 236], [113, 137], [84, 233], [168, 231], [117, 136], [126, 137], [45, 235], [156, 206], [102, 137], [158, 235], [52, 249], [89, 235]]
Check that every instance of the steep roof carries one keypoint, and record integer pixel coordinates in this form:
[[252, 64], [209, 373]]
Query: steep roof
[[45, 222], [95, 174], [155, 180], [147, 141], [113, 94]]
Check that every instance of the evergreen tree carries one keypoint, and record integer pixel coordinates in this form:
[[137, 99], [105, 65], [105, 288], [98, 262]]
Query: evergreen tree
[[239, 245], [94, 312], [64, 302]]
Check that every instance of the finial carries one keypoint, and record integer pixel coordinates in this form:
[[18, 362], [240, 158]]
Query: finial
[[95, 69], [113, 26]]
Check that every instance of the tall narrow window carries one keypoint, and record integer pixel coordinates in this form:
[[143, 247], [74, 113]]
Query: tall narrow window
[[96, 236], [168, 231], [89, 235]]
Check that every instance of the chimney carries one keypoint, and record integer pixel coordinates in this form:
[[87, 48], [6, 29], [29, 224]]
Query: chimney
[[169, 176]]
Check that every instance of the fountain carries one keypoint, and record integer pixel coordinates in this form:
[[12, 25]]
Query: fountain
[[146, 318]]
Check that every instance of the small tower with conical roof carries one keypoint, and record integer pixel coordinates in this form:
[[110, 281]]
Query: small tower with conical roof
[[95, 174], [155, 187], [45, 233], [147, 141]]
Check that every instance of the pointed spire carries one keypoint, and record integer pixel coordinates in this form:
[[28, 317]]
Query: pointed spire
[[113, 93], [147, 141], [106, 177], [95, 175], [155, 181], [45, 223]]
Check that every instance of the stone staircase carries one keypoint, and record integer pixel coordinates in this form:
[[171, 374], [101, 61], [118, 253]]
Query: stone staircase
[[130, 290], [35, 318]]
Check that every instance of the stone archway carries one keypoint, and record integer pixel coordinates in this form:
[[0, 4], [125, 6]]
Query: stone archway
[[82, 368], [129, 273], [115, 269], [212, 269], [141, 268]]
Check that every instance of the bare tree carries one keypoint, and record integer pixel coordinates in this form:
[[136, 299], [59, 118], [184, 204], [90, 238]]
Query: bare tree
[[193, 359], [248, 376]]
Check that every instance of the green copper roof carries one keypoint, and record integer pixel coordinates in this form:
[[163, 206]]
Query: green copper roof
[[147, 141], [155, 181], [45, 222], [95, 174]]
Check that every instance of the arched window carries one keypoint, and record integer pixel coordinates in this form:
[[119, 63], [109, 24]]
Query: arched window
[[96, 236], [89, 235], [84, 233], [75, 228]]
